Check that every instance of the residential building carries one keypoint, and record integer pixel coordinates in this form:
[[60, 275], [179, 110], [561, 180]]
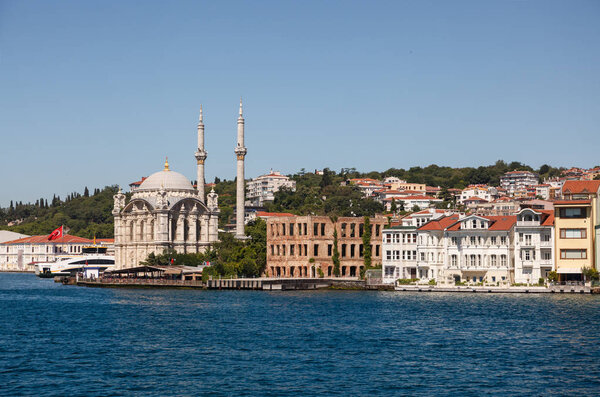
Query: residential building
[[517, 181], [300, 246], [480, 249], [534, 245], [410, 202], [577, 225], [262, 189], [471, 192]]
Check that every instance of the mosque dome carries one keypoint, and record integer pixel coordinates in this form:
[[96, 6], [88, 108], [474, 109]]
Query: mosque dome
[[167, 180]]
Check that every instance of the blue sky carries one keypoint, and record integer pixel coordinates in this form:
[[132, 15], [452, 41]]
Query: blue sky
[[99, 92]]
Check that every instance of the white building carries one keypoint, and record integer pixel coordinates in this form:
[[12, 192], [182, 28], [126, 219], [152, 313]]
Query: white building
[[480, 250], [518, 181], [534, 245], [400, 248], [20, 254], [477, 191], [263, 188], [450, 247]]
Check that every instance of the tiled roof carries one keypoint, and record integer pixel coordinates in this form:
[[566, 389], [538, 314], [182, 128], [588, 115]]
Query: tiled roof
[[441, 223], [269, 214], [66, 239], [572, 202], [138, 183], [498, 223], [576, 187], [474, 198]]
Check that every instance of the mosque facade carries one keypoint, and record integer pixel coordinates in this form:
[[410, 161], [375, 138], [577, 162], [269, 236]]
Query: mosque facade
[[167, 212]]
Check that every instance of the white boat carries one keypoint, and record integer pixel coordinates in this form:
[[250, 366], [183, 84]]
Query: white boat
[[91, 263]]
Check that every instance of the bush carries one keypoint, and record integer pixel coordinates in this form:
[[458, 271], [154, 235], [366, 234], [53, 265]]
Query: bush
[[457, 282], [432, 282], [320, 271], [553, 276], [541, 281], [405, 281]]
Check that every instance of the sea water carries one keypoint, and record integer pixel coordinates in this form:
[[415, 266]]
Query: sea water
[[60, 340]]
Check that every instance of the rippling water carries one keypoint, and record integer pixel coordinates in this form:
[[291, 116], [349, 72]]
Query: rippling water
[[64, 340]]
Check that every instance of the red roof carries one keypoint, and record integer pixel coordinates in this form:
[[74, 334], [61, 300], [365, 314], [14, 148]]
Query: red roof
[[568, 202], [138, 183], [413, 198], [105, 240], [66, 239], [549, 218], [577, 187], [474, 198], [497, 223], [441, 223], [272, 214]]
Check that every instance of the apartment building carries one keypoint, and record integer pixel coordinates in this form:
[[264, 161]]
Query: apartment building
[[518, 181], [262, 189], [577, 225]]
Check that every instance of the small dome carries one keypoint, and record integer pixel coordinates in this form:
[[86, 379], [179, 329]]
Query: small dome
[[167, 180]]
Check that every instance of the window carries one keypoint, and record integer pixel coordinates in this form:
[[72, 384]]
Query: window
[[573, 254], [547, 255], [329, 249], [388, 238], [454, 240], [316, 250], [352, 250], [494, 240], [528, 239], [503, 260], [352, 229], [388, 255], [494, 260], [527, 255], [283, 229], [474, 223], [377, 230], [422, 256], [292, 249], [396, 237], [473, 240], [573, 233], [343, 250], [545, 237], [577, 212], [316, 229], [322, 229], [503, 240], [454, 260], [377, 250]]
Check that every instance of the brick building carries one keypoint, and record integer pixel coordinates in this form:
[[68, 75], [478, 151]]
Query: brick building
[[294, 242]]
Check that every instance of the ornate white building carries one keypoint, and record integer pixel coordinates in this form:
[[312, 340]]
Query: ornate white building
[[166, 212]]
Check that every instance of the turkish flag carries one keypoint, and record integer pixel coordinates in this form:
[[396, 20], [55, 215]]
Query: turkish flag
[[57, 233]]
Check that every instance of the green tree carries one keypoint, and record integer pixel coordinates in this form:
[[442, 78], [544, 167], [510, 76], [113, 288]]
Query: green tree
[[366, 240], [393, 206], [335, 258]]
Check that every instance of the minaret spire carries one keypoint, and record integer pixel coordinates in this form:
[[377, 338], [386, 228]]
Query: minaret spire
[[240, 152], [200, 158]]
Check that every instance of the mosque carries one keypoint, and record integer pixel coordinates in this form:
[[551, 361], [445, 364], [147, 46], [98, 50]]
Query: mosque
[[166, 212]]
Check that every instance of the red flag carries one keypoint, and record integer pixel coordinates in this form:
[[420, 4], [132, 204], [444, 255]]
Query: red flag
[[172, 261], [57, 233]]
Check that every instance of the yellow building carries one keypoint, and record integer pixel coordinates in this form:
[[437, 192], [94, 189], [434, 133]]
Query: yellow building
[[577, 228]]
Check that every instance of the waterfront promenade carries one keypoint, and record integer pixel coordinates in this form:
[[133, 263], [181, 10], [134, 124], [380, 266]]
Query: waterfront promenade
[[289, 284]]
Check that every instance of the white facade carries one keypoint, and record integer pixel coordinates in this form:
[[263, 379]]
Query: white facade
[[399, 253], [19, 255], [534, 246], [482, 192], [515, 181], [165, 212], [449, 248], [263, 188]]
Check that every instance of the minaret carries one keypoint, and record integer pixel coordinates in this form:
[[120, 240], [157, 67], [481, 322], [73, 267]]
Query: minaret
[[240, 152], [200, 157]]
